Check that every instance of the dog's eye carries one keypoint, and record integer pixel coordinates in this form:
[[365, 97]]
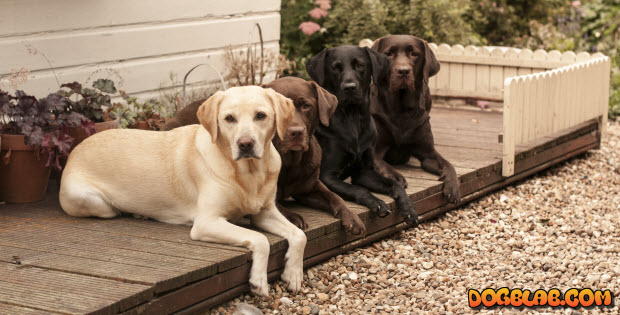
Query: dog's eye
[[306, 106], [359, 66], [230, 119], [260, 116]]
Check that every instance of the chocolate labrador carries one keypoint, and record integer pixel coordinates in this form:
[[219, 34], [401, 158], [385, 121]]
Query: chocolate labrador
[[299, 150], [400, 104], [348, 141]]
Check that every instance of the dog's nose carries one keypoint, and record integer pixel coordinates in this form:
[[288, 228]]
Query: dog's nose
[[295, 132], [403, 71], [245, 144], [349, 87]]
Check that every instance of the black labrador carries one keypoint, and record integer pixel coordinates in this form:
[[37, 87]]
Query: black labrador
[[400, 104], [348, 141]]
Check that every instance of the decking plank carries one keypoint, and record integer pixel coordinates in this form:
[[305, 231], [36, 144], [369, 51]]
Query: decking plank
[[57, 291], [22, 310]]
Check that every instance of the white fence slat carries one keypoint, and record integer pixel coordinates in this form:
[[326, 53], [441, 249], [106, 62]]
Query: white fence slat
[[443, 76], [524, 71], [456, 77], [540, 105], [508, 157], [518, 97], [605, 95], [469, 77], [558, 93]]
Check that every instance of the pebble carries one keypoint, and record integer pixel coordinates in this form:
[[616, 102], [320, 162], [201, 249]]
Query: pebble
[[314, 309], [556, 229], [286, 300]]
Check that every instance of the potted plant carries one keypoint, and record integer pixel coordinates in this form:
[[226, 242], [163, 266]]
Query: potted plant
[[34, 137], [148, 115], [93, 104]]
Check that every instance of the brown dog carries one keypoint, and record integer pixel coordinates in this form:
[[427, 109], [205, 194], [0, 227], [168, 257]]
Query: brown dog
[[299, 150], [400, 106]]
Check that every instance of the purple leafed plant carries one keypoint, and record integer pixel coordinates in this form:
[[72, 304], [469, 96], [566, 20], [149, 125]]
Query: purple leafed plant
[[44, 122], [89, 102]]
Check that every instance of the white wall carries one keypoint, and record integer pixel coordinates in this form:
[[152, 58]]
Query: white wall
[[142, 40]]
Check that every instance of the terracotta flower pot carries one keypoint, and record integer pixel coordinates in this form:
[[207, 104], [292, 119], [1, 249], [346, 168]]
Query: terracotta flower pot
[[79, 134], [141, 125], [23, 175]]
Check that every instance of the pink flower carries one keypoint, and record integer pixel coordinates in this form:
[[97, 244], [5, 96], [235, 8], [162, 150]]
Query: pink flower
[[309, 28], [323, 4], [576, 4], [318, 13]]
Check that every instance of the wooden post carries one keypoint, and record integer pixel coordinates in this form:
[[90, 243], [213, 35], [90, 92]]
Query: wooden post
[[508, 157], [605, 95]]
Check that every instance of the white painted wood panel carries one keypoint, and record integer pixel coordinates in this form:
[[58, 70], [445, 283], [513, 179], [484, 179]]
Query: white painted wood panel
[[138, 76], [41, 16], [129, 42], [138, 43]]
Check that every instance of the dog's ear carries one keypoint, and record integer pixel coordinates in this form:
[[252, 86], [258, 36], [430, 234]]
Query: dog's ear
[[431, 65], [284, 108], [380, 64], [377, 44], [327, 103], [316, 67], [208, 112]]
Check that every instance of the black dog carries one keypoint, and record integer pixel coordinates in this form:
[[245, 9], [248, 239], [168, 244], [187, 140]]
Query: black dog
[[400, 104], [349, 140]]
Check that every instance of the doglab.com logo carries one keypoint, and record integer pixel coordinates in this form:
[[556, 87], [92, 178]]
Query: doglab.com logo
[[554, 298]]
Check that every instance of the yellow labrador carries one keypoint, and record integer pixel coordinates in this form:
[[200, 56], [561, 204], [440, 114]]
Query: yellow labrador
[[207, 175]]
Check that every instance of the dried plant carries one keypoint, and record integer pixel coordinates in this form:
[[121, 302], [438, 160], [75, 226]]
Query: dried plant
[[249, 66], [173, 98]]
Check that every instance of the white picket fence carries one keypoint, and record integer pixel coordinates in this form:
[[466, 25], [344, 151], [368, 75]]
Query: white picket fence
[[479, 72], [537, 105], [542, 92]]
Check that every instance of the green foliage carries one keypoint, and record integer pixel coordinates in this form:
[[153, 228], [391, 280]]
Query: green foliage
[[89, 102], [503, 22], [349, 21], [143, 110], [294, 44], [600, 31], [441, 21]]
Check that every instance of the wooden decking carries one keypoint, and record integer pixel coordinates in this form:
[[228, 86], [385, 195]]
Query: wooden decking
[[52, 262]]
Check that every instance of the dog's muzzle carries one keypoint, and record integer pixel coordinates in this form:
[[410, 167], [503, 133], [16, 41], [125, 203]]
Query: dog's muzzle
[[246, 148]]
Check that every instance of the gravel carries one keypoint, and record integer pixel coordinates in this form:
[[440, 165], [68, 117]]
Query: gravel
[[558, 229]]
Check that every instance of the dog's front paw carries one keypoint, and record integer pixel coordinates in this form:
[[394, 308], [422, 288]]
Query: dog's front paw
[[351, 222], [378, 207], [406, 209], [258, 284], [293, 277], [296, 219], [397, 177], [452, 191]]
